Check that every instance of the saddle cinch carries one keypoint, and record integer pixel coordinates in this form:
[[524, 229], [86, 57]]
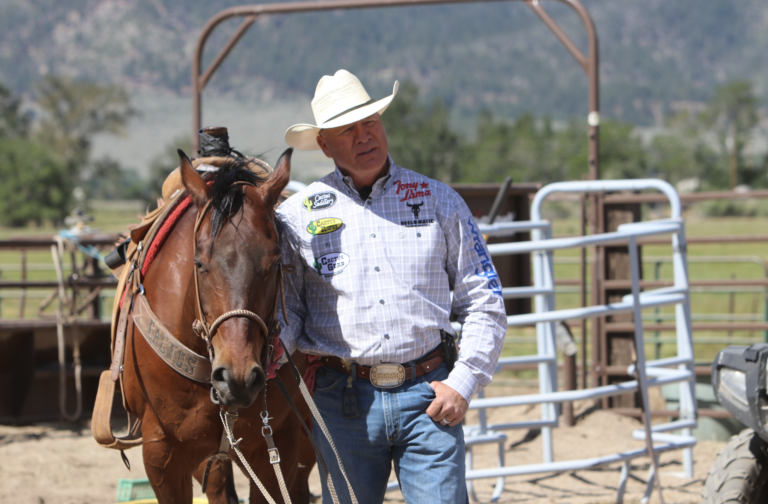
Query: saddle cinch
[[128, 266]]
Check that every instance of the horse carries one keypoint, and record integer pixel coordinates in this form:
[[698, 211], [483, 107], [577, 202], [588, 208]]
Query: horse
[[233, 254]]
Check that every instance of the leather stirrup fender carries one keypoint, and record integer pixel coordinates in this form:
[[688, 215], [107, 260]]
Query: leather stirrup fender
[[101, 422]]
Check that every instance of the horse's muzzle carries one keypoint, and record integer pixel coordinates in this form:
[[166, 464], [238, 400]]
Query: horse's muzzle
[[238, 393]]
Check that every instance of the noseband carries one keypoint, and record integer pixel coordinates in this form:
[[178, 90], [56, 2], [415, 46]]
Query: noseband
[[207, 332]]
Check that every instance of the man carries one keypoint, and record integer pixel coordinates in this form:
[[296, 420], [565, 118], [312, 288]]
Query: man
[[377, 250]]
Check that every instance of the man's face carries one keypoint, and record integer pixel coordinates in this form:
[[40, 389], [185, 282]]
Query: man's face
[[360, 148]]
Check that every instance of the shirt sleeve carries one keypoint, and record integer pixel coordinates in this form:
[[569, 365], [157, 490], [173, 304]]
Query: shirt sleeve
[[477, 300], [293, 284]]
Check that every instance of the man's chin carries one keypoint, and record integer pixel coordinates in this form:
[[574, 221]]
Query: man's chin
[[373, 160]]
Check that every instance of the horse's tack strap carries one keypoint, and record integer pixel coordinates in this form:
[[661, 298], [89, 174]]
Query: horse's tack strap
[[183, 360], [119, 346]]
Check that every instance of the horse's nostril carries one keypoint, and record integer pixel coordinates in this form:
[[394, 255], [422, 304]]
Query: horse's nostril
[[256, 379], [219, 374]]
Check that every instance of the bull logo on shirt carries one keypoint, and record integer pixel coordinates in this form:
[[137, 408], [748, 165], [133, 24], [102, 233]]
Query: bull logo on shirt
[[415, 208]]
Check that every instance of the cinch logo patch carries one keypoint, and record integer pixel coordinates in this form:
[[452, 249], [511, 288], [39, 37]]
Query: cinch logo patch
[[331, 264], [412, 190], [319, 201], [324, 226]]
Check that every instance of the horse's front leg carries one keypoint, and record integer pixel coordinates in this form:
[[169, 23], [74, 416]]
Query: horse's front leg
[[221, 482], [169, 466]]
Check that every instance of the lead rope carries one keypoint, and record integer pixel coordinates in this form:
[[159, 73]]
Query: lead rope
[[266, 431], [312, 407], [56, 252], [229, 419], [315, 413]]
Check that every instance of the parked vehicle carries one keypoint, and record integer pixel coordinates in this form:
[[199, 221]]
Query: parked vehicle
[[740, 472]]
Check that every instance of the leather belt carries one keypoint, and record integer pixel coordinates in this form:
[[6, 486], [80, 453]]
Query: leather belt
[[425, 365]]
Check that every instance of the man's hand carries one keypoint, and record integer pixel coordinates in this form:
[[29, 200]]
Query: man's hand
[[448, 405]]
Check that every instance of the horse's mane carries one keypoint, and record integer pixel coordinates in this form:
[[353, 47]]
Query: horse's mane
[[226, 199]]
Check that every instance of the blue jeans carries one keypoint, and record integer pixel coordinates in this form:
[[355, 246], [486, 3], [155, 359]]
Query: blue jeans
[[393, 426]]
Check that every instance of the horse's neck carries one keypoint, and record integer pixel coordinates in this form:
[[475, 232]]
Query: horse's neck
[[170, 286]]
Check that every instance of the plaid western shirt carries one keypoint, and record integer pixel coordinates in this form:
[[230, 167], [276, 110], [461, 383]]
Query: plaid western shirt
[[373, 278]]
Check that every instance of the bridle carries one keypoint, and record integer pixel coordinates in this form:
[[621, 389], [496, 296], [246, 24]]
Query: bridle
[[205, 331], [228, 418]]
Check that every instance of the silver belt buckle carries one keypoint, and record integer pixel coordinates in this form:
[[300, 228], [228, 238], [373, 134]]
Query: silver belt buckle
[[387, 375]]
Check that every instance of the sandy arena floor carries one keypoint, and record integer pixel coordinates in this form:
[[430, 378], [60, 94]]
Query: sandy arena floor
[[61, 464]]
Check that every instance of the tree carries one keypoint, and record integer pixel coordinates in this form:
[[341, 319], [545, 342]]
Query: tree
[[37, 186], [75, 111], [105, 179], [732, 114], [420, 137], [13, 123]]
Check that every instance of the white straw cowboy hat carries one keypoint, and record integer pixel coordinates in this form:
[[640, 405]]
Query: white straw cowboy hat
[[339, 100]]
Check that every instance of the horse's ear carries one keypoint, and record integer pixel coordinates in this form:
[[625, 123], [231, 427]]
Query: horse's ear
[[193, 182], [279, 178]]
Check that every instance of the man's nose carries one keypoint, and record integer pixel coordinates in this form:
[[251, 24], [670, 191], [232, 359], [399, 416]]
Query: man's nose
[[361, 133]]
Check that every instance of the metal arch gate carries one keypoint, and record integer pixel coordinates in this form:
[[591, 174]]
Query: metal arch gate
[[590, 63]]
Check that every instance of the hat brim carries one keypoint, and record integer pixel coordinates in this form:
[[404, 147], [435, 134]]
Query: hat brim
[[304, 136]]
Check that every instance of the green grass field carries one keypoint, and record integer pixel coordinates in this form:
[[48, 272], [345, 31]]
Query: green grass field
[[748, 304]]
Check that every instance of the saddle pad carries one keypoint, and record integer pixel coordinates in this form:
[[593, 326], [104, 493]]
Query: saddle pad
[[164, 232]]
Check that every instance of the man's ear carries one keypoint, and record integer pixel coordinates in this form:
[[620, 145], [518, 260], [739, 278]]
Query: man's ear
[[279, 178], [323, 145], [193, 182]]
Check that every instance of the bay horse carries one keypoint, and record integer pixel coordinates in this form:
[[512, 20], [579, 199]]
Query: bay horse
[[236, 254]]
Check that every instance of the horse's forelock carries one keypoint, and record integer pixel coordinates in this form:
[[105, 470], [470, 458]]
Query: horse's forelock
[[226, 199]]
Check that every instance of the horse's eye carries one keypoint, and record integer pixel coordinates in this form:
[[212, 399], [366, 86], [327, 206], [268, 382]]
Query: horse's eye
[[199, 266]]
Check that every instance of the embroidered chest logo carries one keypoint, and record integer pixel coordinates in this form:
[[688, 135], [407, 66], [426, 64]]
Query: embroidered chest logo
[[331, 264], [319, 201], [324, 226], [416, 222], [488, 272], [415, 208], [412, 190]]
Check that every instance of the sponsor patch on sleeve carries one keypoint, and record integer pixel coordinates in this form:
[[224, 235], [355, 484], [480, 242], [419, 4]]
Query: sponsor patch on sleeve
[[319, 201], [485, 262], [331, 264], [324, 226]]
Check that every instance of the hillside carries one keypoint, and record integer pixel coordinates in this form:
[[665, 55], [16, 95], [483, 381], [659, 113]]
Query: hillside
[[656, 54]]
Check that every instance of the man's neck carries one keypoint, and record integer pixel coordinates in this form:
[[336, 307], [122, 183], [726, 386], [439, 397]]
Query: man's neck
[[368, 181]]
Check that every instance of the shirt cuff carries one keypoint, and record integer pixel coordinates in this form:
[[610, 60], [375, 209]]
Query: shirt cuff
[[463, 381]]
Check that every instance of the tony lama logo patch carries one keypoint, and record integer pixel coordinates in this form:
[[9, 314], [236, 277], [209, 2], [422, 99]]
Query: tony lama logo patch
[[324, 226], [331, 264], [416, 210], [319, 201], [412, 190]]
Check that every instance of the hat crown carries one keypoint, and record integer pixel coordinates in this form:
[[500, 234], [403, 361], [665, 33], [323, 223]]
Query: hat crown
[[337, 94]]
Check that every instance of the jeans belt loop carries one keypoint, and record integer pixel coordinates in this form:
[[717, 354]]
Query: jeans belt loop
[[413, 371], [353, 371]]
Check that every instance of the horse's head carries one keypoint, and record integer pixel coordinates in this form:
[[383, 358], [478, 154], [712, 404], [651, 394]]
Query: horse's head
[[237, 268]]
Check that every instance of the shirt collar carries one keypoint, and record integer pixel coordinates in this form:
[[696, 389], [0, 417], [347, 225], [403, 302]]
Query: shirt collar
[[379, 187]]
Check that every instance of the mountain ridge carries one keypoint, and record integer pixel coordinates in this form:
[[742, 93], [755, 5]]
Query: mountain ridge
[[655, 54]]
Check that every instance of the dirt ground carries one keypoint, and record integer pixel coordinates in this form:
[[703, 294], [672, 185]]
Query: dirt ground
[[61, 464]]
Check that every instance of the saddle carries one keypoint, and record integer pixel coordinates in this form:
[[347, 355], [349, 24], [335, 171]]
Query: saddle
[[128, 308]]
